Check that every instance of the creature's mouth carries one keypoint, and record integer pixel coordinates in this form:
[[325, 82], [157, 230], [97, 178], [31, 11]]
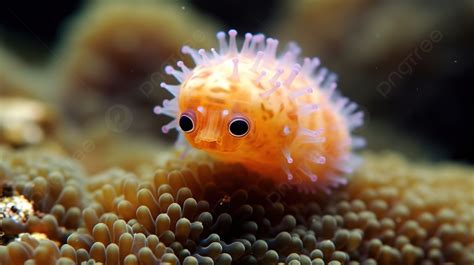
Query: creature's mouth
[[215, 148], [210, 146]]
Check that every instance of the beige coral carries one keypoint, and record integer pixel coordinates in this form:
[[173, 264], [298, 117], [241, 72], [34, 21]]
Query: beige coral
[[52, 183], [392, 212], [115, 51], [25, 121]]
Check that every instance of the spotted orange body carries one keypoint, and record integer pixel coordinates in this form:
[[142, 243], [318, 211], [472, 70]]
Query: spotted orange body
[[263, 110]]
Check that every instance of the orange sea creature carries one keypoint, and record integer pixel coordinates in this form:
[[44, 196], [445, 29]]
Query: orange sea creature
[[262, 109]]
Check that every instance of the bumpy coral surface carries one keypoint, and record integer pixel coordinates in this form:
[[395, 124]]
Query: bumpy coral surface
[[190, 212], [48, 182]]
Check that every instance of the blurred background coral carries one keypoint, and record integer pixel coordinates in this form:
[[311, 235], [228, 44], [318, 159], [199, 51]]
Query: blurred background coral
[[98, 64]]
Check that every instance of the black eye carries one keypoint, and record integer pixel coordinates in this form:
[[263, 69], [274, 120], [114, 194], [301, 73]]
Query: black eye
[[186, 123], [239, 127]]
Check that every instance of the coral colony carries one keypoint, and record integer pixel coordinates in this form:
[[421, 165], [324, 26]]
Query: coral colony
[[391, 212]]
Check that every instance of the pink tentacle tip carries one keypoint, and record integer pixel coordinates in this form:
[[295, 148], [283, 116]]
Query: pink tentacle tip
[[165, 129], [166, 102], [290, 176], [185, 49], [157, 110], [220, 34], [169, 69]]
